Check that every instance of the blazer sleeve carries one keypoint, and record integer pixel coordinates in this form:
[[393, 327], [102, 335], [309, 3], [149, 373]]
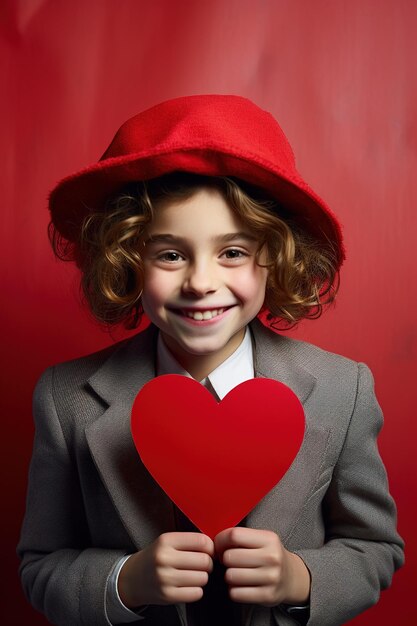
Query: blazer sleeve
[[62, 576], [362, 548]]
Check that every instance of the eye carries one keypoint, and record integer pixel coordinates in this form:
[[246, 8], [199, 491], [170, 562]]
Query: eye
[[170, 257], [234, 253]]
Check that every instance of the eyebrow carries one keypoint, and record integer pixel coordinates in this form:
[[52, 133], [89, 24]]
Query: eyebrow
[[226, 238]]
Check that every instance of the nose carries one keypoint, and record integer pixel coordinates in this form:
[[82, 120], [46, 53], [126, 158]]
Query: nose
[[201, 279]]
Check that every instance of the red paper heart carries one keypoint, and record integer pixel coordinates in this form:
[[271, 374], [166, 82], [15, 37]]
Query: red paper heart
[[216, 460]]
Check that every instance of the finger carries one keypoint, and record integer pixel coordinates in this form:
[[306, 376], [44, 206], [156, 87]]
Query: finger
[[248, 577], [198, 561], [240, 537], [243, 557], [194, 542], [186, 578], [252, 595], [182, 594]]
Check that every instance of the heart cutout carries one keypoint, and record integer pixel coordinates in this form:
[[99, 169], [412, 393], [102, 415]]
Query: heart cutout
[[216, 460]]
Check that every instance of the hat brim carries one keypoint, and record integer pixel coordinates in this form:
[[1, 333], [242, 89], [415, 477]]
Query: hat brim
[[88, 190]]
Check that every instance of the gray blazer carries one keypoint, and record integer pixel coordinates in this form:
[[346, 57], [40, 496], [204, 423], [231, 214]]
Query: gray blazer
[[90, 499]]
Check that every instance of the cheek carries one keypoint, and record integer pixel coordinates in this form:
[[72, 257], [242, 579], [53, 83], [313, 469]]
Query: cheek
[[151, 299], [157, 286], [251, 286]]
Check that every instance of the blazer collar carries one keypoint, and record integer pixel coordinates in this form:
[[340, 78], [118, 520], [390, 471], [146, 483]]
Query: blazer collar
[[133, 364], [129, 367], [145, 510], [276, 357]]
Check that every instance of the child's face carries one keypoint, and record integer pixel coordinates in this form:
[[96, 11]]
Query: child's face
[[202, 280]]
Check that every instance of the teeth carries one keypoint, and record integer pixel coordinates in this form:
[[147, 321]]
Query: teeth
[[199, 316]]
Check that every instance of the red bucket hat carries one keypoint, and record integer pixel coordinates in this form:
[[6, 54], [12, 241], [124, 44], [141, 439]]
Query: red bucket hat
[[213, 135]]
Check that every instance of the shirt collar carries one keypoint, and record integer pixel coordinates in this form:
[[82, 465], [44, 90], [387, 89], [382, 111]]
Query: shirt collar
[[237, 368]]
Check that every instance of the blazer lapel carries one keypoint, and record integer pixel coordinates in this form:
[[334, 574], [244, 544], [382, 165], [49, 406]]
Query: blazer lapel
[[274, 358], [144, 508], [280, 509]]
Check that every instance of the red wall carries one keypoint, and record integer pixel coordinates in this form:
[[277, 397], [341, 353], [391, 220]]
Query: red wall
[[339, 76]]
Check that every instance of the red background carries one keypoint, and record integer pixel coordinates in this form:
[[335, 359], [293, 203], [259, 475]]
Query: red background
[[340, 78]]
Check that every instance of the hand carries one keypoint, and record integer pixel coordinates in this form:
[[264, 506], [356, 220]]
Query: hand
[[174, 568], [259, 569]]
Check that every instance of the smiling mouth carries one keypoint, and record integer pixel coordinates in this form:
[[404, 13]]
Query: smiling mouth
[[201, 315]]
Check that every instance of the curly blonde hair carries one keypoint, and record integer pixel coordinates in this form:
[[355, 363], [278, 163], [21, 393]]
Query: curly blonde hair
[[302, 274]]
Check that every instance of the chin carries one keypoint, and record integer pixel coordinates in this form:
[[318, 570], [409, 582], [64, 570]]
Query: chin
[[203, 350]]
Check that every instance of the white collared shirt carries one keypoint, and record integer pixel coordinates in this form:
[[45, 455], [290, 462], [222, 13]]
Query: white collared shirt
[[237, 368]]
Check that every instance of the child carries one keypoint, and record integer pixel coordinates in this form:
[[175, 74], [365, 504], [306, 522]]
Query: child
[[196, 216]]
